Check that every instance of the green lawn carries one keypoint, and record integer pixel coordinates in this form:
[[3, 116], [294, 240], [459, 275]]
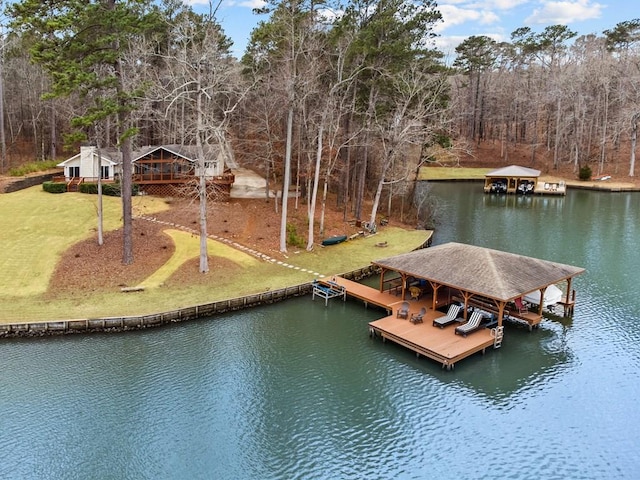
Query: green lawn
[[452, 173], [37, 227]]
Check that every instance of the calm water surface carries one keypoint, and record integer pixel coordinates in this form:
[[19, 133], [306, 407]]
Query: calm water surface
[[299, 391]]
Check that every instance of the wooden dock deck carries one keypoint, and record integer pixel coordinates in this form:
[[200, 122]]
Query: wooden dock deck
[[367, 294], [439, 344]]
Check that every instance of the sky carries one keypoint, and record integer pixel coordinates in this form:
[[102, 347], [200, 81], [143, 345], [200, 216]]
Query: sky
[[463, 18]]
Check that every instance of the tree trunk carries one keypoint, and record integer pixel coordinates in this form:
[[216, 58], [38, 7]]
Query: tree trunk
[[314, 193], [634, 141], [53, 152], [204, 255], [376, 199], [127, 166], [286, 181], [604, 134], [556, 142], [100, 209], [127, 217], [202, 181], [323, 208]]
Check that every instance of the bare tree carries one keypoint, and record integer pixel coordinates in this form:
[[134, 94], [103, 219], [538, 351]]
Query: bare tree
[[415, 102], [200, 80]]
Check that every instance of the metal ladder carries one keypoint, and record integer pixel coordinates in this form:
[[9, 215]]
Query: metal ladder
[[497, 333]]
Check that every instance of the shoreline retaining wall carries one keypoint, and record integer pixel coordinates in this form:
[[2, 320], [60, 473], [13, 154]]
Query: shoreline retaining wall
[[139, 322], [26, 182]]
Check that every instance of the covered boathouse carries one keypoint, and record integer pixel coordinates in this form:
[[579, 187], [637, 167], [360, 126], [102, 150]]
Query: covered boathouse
[[522, 180], [488, 281]]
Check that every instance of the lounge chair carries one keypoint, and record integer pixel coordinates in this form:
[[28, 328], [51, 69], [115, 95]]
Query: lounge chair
[[449, 318], [403, 311], [417, 317], [471, 326]]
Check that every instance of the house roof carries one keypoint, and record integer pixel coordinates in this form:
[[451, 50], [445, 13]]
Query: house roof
[[188, 152], [491, 273], [108, 156], [513, 171]]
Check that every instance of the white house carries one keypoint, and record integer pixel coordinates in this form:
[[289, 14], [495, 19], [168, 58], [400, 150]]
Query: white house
[[85, 165], [157, 170]]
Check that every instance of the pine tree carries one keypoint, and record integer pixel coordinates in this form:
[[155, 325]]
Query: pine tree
[[81, 44]]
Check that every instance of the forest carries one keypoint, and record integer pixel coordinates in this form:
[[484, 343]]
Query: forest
[[349, 103]]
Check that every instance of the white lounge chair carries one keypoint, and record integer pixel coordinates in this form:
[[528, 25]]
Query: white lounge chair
[[472, 325], [449, 318]]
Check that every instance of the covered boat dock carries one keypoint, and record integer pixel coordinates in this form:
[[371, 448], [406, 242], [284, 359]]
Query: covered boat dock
[[480, 279], [522, 180]]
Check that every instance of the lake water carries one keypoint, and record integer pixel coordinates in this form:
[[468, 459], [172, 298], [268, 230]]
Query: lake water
[[298, 390]]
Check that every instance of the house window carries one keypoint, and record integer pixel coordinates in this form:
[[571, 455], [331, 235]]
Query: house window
[[104, 171], [210, 165], [74, 172]]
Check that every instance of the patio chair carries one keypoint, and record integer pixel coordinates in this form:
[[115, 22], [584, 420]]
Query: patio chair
[[403, 311], [415, 292], [471, 326], [417, 317], [449, 318], [520, 305]]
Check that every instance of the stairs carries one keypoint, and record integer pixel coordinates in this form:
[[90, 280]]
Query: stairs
[[73, 184]]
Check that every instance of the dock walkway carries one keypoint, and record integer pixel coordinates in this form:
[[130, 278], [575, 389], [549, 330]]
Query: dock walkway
[[364, 293]]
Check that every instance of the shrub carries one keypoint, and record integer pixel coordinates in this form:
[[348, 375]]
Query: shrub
[[109, 189], [585, 173], [293, 238], [32, 167], [54, 187]]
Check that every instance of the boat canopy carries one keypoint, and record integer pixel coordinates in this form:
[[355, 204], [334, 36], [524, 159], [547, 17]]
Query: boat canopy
[[552, 295]]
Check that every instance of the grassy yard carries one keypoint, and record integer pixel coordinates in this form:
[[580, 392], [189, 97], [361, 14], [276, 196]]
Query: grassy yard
[[452, 173], [37, 227]]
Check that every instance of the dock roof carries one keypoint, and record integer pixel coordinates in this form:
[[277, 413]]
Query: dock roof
[[483, 271], [513, 171]]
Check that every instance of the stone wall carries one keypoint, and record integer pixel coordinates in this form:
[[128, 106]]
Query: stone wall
[[26, 182], [121, 324]]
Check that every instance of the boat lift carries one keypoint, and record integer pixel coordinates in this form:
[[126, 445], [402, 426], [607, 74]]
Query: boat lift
[[328, 290]]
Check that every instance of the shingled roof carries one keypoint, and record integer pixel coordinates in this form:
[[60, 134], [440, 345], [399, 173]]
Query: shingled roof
[[491, 273]]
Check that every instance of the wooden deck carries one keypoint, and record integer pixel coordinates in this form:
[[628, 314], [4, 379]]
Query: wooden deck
[[367, 294], [439, 344]]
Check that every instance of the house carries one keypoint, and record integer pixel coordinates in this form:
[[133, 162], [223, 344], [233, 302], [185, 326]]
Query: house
[[157, 170], [85, 166], [163, 170]]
